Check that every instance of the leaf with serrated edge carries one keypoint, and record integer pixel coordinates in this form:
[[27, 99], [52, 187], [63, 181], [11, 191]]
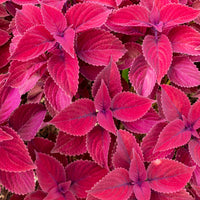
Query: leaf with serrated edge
[[194, 149], [194, 115]]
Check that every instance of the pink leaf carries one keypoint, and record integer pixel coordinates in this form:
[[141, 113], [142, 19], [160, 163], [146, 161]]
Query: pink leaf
[[127, 106], [126, 142], [173, 14], [56, 96], [142, 191], [27, 17], [108, 3], [37, 195], [85, 16], [149, 142], [77, 119], [4, 37], [133, 15], [83, 174], [27, 119], [168, 176], [9, 101], [69, 145], [16, 157], [158, 53], [64, 70], [49, 171], [183, 72], [33, 43], [194, 149], [173, 135], [18, 183], [194, 115], [112, 79], [174, 103], [115, 185], [142, 77], [4, 136], [96, 46], [98, 142], [185, 39], [54, 3]]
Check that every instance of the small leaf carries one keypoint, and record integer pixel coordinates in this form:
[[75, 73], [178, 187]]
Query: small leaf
[[194, 115], [4, 136], [4, 37], [194, 149], [142, 191]]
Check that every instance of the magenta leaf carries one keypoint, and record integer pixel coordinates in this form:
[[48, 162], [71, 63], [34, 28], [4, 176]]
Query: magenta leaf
[[174, 103], [96, 46], [83, 174], [27, 119], [85, 16], [142, 77], [115, 185], [37, 195], [77, 119], [4, 37], [108, 3], [133, 15], [16, 157], [18, 183], [4, 136], [50, 171], [158, 53], [69, 145], [149, 142], [9, 101], [127, 106], [33, 43], [185, 39], [55, 95], [194, 115], [64, 71], [142, 191], [54, 3], [173, 135], [111, 76], [173, 14], [183, 72], [27, 17], [194, 149], [126, 142], [168, 176], [4, 55], [98, 142]]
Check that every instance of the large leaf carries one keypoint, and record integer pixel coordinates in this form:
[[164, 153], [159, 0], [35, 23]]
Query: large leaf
[[158, 53], [115, 185], [15, 155], [168, 176], [33, 43], [142, 191], [83, 174], [127, 106], [96, 46], [64, 70], [85, 16], [27, 119], [194, 149], [77, 119]]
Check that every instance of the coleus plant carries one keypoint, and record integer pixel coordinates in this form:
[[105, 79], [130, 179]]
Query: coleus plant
[[99, 99]]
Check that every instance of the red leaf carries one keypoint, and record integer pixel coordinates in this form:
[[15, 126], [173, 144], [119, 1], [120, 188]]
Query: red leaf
[[142, 77], [18, 183], [54, 3], [126, 142], [133, 15], [127, 106], [37, 195], [4, 136], [56, 96], [64, 70], [115, 185], [4, 55], [33, 43], [183, 72], [194, 115], [85, 16], [15, 155], [4, 37], [98, 142], [112, 79], [158, 53], [173, 135], [69, 145], [108, 3], [27, 17], [97, 46], [83, 174], [174, 103], [168, 176], [27, 119], [173, 14], [142, 191], [194, 149], [77, 119], [9, 101], [49, 171], [185, 39]]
